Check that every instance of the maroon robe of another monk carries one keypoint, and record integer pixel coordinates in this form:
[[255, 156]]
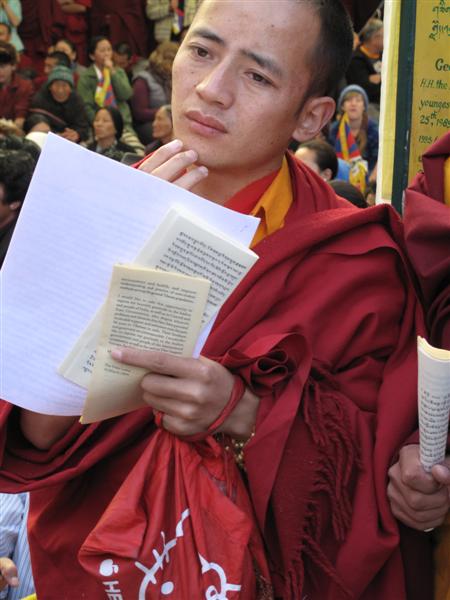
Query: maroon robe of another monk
[[37, 29], [121, 21], [427, 235], [323, 329]]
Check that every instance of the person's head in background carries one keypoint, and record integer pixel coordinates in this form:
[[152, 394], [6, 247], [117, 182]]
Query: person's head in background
[[55, 58], [240, 93], [346, 190], [354, 102], [100, 51], [161, 59], [60, 83], [162, 124], [122, 55], [319, 156], [371, 36], [66, 46], [5, 32], [36, 122], [16, 170], [8, 62], [107, 126]]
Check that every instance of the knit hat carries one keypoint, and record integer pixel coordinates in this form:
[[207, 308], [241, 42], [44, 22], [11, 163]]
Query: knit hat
[[60, 73], [355, 89]]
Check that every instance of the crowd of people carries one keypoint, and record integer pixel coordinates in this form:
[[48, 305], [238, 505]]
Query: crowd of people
[[324, 400]]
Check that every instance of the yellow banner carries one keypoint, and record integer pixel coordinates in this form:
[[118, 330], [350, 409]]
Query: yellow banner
[[430, 117]]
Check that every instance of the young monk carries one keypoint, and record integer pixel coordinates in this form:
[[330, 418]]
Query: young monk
[[321, 331]]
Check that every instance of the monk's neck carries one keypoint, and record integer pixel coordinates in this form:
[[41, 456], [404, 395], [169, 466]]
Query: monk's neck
[[220, 186]]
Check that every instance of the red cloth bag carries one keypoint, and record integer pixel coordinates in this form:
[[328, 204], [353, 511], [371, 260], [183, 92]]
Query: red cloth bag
[[180, 527]]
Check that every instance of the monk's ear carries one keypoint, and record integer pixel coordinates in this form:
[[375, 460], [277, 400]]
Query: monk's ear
[[313, 117]]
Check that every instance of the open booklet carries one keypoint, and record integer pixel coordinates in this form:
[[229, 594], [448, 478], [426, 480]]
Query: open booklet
[[148, 309], [434, 402], [181, 244]]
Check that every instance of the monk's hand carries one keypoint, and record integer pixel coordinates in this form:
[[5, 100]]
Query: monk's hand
[[8, 573], [418, 499], [173, 163], [191, 392]]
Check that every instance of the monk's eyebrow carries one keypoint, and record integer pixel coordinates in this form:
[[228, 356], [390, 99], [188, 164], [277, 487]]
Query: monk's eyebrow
[[265, 62], [207, 34]]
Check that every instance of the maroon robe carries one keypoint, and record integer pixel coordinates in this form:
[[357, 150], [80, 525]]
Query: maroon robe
[[323, 330], [427, 235], [121, 21]]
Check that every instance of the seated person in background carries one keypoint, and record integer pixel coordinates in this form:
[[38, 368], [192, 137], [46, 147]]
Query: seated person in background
[[16, 170], [365, 67], [66, 46], [108, 129], [62, 106], [320, 157], [346, 190], [152, 89], [15, 92], [15, 565], [162, 128], [103, 84], [52, 60], [123, 58], [355, 136]]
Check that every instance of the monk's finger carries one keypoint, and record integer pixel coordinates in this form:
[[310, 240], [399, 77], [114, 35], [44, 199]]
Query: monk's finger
[[157, 362], [441, 474], [161, 156], [8, 572], [191, 178], [412, 473]]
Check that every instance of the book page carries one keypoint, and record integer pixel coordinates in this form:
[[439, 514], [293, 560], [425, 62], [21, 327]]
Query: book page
[[83, 213], [182, 244], [434, 402], [145, 309]]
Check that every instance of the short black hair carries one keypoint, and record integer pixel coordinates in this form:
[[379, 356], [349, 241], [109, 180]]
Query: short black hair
[[331, 56], [94, 41], [61, 58], [116, 116], [8, 54], [123, 48], [349, 192], [325, 155], [34, 119], [68, 42], [16, 171]]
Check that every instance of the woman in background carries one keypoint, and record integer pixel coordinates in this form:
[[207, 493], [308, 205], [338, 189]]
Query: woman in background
[[355, 136], [108, 129]]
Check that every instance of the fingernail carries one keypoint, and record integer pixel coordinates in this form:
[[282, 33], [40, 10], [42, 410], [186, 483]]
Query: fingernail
[[192, 154], [117, 354], [175, 145], [14, 582], [203, 170]]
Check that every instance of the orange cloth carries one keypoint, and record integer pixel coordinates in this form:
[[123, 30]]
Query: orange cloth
[[275, 198]]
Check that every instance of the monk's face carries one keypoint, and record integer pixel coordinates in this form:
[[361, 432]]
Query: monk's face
[[239, 79]]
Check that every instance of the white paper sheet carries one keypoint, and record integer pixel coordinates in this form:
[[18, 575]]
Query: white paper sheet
[[82, 214]]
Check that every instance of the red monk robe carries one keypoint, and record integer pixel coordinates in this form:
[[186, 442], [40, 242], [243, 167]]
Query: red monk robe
[[37, 29], [323, 330], [427, 235], [121, 21]]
